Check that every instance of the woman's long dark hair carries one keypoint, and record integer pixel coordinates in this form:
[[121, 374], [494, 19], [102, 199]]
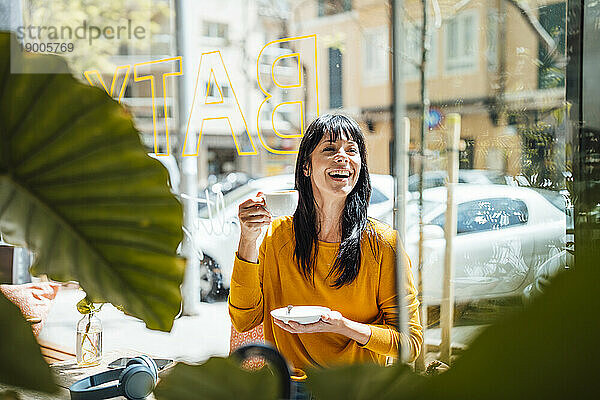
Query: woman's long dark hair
[[354, 216]]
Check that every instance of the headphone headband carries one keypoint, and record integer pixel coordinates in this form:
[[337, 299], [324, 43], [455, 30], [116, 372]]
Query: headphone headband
[[84, 389], [142, 368]]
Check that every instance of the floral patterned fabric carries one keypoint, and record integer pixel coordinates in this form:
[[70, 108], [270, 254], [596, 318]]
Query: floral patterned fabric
[[237, 339], [33, 299]]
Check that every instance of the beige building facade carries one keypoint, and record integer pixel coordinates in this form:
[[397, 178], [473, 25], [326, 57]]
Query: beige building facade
[[483, 64]]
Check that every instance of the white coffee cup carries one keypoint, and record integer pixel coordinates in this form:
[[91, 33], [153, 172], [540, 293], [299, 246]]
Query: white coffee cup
[[281, 202]]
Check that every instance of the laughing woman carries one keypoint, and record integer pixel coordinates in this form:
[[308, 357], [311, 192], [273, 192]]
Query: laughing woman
[[328, 254]]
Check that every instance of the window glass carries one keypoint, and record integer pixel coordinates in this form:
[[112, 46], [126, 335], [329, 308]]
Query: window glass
[[331, 7], [461, 42], [492, 25], [216, 93], [375, 56], [552, 18], [279, 64], [335, 78], [234, 197], [215, 30]]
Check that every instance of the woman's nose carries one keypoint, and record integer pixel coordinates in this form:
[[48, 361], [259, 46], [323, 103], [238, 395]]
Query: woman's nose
[[340, 156]]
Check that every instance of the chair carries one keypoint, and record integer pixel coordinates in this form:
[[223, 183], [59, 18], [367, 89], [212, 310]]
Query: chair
[[253, 336]]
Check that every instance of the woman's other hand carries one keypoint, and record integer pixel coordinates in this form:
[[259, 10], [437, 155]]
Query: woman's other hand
[[252, 215], [330, 322]]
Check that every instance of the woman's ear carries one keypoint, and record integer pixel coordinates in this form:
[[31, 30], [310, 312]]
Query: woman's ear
[[306, 170]]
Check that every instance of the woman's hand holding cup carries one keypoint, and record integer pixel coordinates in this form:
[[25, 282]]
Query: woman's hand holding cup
[[253, 215]]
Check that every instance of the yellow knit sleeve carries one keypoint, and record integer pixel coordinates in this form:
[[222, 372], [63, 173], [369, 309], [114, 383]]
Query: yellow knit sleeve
[[385, 338], [245, 293]]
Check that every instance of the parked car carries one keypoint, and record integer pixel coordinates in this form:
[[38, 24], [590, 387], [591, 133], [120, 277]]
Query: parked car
[[219, 231], [504, 234]]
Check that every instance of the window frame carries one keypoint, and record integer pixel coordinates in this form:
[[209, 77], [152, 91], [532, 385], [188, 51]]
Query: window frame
[[450, 67]]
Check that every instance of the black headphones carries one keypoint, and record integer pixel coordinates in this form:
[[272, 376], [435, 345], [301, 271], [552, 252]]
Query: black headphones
[[136, 381]]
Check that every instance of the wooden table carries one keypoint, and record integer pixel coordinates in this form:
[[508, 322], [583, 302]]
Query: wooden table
[[68, 372]]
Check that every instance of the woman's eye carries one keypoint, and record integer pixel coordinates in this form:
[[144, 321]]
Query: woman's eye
[[352, 150], [328, 149]]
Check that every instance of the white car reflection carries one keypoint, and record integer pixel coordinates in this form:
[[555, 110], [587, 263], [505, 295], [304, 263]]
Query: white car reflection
[[504, 234], [218, 230]]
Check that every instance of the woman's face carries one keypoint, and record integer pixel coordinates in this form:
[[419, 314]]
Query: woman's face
[[334, 168]]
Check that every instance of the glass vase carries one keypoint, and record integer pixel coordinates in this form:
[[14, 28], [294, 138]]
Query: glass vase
[[89, 340]]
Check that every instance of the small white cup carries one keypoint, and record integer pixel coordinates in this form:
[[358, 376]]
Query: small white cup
[[281, 202]]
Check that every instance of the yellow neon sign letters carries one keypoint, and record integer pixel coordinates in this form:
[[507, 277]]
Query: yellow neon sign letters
[[224, 109]]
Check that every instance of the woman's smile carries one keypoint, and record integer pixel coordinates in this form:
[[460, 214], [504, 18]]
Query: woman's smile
[[342, 176]]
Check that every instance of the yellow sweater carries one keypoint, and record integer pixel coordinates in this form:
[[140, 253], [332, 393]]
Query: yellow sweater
[[276, 281]]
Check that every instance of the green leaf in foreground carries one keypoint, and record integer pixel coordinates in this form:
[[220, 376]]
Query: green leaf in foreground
[[217, 379], [22, 363], [360, 381], [547, 351], [77, 188], [9, 395]]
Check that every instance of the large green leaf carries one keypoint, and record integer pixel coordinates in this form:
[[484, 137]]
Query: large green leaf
[[217, 379], [361, 381], [22, 363], [77, 187]]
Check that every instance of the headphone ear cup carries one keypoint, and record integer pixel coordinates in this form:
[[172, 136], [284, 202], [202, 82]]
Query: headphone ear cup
[[149, 362], [146, 361], [137, 381]]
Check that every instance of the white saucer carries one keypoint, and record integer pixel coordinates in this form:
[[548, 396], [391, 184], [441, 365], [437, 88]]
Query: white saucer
[[300, 314]]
